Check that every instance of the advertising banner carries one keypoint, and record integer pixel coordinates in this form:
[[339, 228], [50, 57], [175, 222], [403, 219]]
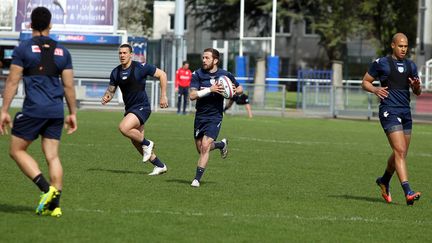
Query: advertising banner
[[90, 16], [79, 38], [6, 11]]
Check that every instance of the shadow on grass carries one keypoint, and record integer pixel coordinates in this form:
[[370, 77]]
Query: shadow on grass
[[18, 209], [117, 171], [359, 198], [183, 181]]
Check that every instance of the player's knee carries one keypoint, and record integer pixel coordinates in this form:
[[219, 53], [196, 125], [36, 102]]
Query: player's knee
[[52, 158], [400, 151], [123, 129], [12, 154], [205, 148]]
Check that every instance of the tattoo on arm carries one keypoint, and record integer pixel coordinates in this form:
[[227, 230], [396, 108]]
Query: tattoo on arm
[[111, 90]]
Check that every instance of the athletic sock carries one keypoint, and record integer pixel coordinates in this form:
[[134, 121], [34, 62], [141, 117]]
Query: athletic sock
[[219, 145], [157, 162], [145, 142], [55, 202], [385, 179], [406, 187], [199, 173], [42, 183]]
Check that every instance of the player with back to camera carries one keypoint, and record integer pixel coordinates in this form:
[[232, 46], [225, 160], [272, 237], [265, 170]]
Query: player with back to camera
[[40, 62], [131, 76], [209, 109], [396, 75], [240, 99]]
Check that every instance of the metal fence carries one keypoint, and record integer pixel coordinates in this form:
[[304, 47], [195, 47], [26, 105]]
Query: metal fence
[[348, 100], [317, 97]]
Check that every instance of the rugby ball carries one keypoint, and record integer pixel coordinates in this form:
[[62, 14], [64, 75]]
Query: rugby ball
[[228, 92]]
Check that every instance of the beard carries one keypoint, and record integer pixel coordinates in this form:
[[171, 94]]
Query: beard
[[207, 67]]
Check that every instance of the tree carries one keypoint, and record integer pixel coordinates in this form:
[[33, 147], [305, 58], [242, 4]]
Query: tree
[[136, 16], [387, 17]]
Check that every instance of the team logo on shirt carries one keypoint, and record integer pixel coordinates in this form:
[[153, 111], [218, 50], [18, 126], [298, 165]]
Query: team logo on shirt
[[212, 80], [401, 69], [385, 114]]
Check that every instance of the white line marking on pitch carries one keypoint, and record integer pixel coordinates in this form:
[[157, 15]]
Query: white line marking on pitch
[[277, 216], [289, 141]]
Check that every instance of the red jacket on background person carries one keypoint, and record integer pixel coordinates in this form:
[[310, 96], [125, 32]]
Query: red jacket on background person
[[183, 76]]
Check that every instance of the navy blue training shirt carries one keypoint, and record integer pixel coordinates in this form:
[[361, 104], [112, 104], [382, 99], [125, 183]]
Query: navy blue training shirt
[[211, 106], [43, 94], [133, 86], [399, 95]]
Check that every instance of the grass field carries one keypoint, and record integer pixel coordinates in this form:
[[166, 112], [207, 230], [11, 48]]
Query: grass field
[[285, 180]]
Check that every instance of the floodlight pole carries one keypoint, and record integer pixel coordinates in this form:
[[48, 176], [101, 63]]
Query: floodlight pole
[[241, 27], [179, 30], [273, 36]]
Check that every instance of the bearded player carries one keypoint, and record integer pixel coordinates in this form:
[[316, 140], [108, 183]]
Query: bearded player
[[209, 109]]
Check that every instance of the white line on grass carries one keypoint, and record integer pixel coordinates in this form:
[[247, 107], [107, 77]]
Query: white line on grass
[[265, 216], [289, 141]]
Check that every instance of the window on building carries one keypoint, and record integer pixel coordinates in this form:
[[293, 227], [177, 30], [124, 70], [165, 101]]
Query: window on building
[[284, 26], [172, 22], [308, 27]]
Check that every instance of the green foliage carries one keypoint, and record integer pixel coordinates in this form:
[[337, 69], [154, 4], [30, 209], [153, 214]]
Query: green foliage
[[388, 17], [335, 22], [285, 180], [136, 16]]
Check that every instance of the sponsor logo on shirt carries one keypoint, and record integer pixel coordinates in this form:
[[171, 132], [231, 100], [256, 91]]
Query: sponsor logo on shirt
[[35, 49], [58, 52], [124, 75]]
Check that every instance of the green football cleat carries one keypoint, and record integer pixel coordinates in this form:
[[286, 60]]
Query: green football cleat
[[46, 199]]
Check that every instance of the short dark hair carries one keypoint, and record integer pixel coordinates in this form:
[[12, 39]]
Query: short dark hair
[[126, 46], [40, 18], [215, 53], [185, 62]]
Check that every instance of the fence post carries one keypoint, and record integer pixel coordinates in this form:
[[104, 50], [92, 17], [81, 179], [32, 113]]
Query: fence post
[[337, 87], [283, 99]]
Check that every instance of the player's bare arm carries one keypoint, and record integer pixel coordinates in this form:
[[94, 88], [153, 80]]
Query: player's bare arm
[[11, 86], [109, 94], [367, 85], [68, 84], [238, 90], [415, 85], [161, 75]]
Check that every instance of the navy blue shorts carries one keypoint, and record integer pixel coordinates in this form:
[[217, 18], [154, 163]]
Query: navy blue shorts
[[142, 113], [29, 128], [395, 119], [210, 128]]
